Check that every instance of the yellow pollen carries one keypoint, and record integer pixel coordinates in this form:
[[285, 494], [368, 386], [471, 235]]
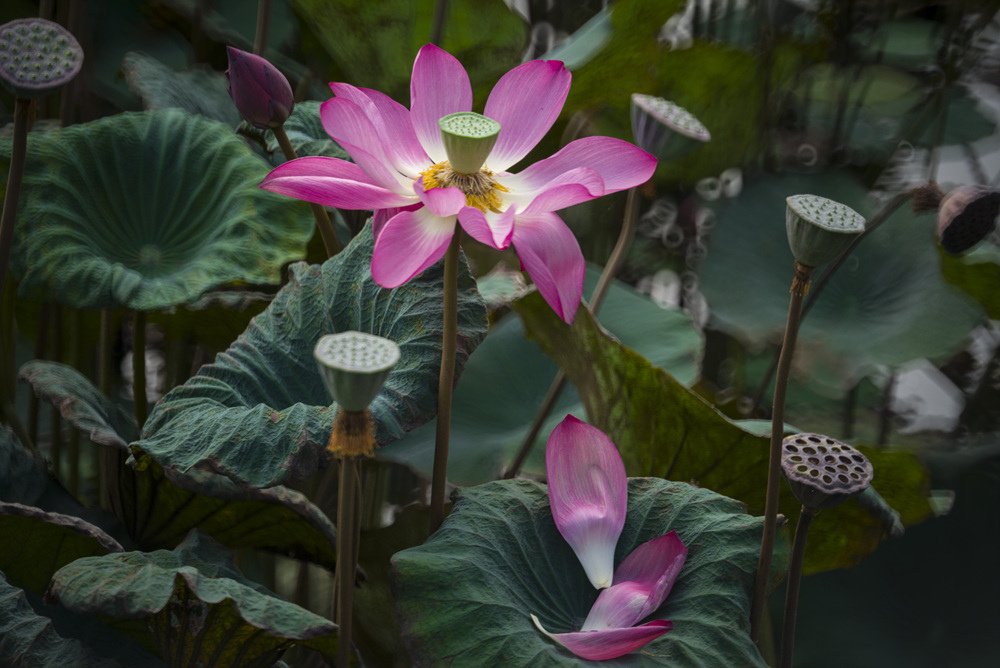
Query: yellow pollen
[[481, 190]]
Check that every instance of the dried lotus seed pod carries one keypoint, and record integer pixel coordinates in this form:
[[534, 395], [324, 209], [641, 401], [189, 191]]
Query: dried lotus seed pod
[[37, 57], [819, 228], [823, 471], [966, 216], [354, 366], [665, 129]]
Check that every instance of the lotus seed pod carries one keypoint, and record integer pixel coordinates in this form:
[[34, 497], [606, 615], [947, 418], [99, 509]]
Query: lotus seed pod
[[966, 216], [823, 471], [468, 139], [354, 366], [819, 229], [665, 129], [37, 57]]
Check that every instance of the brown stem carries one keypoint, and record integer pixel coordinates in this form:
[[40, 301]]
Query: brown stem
[[139, 367], [15, 173], [800, 285], [260, 36], [346, 565], [41, 344], [792, 591], [446, 381], [611, 268], [323, 223]]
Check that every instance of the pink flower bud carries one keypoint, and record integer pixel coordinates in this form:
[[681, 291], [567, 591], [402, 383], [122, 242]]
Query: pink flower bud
[[260, 92]]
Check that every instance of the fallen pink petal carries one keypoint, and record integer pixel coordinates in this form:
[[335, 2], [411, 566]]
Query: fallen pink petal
[[609, 643]]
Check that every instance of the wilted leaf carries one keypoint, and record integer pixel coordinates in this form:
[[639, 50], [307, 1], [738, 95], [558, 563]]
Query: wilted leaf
[[192, 604], [465, 596], [663, 429], [261, 414], [148, 210]]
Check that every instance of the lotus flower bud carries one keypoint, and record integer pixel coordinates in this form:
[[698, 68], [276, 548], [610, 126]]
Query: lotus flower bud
[[260, 92], [823, 471], [37, 57], [966, 216], [665, 129], [819, 228], [354, 366], [468, 139]]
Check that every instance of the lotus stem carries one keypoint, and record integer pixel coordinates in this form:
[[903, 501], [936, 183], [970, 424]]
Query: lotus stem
[[139, 367], [16, 172], [446, 382], [883, 214], [799, 287], [437, 27], [792, 590], [260, 36], [55, 446], [41, 343], [8, 386], [107, 458], [323, 223], [346, 556], [611, 269]]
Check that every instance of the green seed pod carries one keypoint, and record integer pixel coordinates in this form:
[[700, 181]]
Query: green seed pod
[[468, 139], [354, 366], [819, 228], [823, 471], [37, 57], [665, 129]]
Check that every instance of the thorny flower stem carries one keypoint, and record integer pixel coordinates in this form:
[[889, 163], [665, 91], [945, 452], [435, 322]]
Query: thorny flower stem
[[446, 382], [319, 213], [799, 287], [615, 261], [792, 590], [346, 556]]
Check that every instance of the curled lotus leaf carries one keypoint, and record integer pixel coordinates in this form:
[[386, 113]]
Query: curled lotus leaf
[[261, 414], [499, 558], [148, 210]]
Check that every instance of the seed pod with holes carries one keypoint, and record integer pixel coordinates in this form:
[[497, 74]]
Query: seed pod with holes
[[354, 366], [823, 471], [665, 129], [37, 57], [819, 228], [966, 216]]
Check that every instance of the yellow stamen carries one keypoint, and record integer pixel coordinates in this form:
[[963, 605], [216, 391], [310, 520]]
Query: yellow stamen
[[481, 190]]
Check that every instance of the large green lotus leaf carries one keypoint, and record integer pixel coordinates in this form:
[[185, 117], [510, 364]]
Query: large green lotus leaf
[[465, 596], [373, 43], [197, 91], [506, 381], [886, 305], [28, 640], [665, 430], [192, 604], [306, 134], [45, 543], [261, 414], [148, 210], [159, 506], [977, 273]]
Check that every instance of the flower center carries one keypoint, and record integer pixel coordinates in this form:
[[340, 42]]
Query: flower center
[[481, 190]]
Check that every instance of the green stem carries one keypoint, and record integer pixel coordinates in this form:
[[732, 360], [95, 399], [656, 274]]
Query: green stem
[[446, 381], [107, 457], [611, 269], [346, 563], [792, 591], [800, 285], [41, 343], [14, 175], [139, 367], [260, 36], [323, 223]]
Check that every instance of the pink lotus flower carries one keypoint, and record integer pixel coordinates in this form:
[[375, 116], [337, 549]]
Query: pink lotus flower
[[402, 172], [588, 493]]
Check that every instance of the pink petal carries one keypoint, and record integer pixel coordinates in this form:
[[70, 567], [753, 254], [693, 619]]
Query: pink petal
[[349, 125], [409, 243], [392, 121], [526, 102], [551, 255], [610, 643], [441, 201], [330, 182], [577, 185], [621, 164], [492, 229], [439, 86], [382, 216], [588, 493], [641, 585]]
